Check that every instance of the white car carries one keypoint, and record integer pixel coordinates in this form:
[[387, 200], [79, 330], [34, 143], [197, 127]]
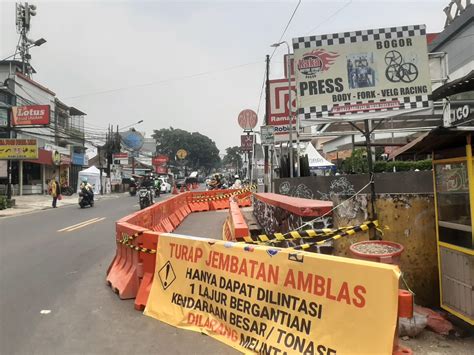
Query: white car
[[165, 186]]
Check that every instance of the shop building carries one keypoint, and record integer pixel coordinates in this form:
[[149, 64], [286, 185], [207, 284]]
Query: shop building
[[60, 142]]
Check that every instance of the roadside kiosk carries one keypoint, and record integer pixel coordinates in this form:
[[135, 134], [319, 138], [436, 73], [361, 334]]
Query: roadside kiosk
[[453, 181]]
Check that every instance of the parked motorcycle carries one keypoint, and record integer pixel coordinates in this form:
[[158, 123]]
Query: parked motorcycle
[[145, 197], [86, 198]]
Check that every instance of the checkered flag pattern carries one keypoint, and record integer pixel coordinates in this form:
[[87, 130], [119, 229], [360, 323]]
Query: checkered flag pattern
[[358, 36], [409, 102]]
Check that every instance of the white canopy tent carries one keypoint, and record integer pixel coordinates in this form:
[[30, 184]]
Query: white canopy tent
[[93, 177], [315, 160]]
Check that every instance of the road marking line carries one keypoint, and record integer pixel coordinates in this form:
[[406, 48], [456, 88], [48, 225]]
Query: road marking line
[[86, 224], [45, 311], [78, 224]]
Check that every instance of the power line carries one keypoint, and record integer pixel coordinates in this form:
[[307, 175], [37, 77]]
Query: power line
[[161, 81], [287, 25], [261, 90], [330, 17]]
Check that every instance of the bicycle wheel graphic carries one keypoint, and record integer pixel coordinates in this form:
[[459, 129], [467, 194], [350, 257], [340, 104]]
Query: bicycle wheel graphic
[[407, 72], [391, 73], [393, 58]]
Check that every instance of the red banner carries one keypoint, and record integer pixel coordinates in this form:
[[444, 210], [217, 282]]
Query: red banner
[[33, 115], [159, 160], [246, 142]]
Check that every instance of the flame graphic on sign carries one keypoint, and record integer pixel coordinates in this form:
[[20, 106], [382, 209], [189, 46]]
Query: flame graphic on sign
[[327, 58], [316, 61]]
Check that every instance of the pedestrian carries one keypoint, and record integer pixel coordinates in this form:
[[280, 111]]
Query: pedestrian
[[55, 191]]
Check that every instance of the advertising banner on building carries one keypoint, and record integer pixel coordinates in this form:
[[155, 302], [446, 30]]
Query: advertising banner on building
[[33, 115], [265, 300], [159, 160], [246, 142], [279, 113], [362, 73], [267, 134], [17, 149]]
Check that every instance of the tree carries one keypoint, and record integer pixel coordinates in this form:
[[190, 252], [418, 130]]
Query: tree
[[233, 157], [202, 151]]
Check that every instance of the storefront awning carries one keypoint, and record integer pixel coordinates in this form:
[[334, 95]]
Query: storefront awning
[[45, 157]]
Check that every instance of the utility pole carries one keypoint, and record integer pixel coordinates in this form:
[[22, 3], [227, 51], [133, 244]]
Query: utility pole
[[267, 112]]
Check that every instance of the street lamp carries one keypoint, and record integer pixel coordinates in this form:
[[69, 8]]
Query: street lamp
[[130, 125], [32, 44], [290, 119]]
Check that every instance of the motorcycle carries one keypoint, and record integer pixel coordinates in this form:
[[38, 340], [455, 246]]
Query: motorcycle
[[86, 198], [145, 197]]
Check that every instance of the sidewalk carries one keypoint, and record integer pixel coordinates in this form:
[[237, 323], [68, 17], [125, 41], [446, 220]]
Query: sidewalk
[[31, 203]]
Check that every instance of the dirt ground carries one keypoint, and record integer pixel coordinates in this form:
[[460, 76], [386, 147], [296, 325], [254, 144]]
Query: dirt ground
[[430, 343]]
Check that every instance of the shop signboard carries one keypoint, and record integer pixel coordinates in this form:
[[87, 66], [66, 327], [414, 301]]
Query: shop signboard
[[181, 154], [56, 158], [267, 134], [115, 174], [120, 158], [159, 160], [78, 159], [462, 114], [65, 159], [362, 74], [32, 115], [279, 113], [247, 119], [3, 117], [246, 142], [18, 149]]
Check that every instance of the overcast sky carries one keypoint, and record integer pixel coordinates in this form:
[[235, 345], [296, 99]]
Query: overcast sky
[[153, 52]]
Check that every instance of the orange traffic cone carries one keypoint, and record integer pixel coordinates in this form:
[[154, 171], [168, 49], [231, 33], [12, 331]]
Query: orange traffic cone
[[195, 185], [182, 188], [175, 190], [188, 187]]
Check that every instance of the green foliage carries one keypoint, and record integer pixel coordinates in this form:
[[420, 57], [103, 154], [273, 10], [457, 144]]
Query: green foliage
[[407, 165], [233, 157], [3, 203], [357, 164], [202, 151]]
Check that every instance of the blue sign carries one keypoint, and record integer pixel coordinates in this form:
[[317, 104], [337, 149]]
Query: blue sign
[[78, 159], [132, 139]]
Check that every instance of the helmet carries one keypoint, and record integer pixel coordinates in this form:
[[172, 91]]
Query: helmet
[[84, 179], [236, 176]]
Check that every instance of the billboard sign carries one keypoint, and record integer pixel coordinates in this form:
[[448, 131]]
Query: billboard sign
[[18, 149], [279, 113], [159, 160], [32, 115], [181, 154], [132, 139], [267, 134], [247, 120], [246, 142], [362, 72]]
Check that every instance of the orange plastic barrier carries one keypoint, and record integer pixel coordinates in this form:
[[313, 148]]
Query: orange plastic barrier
[[147, 269], [132, 270], [235, 224], [123, 272]]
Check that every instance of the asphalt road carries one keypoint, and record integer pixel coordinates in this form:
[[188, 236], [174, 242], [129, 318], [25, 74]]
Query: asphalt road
[[53, 295]]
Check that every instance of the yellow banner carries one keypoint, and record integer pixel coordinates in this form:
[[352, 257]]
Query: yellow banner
[[259, 299], [14, 149]]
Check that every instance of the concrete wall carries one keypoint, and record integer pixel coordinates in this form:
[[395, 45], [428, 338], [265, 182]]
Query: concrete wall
[[405, 207]]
